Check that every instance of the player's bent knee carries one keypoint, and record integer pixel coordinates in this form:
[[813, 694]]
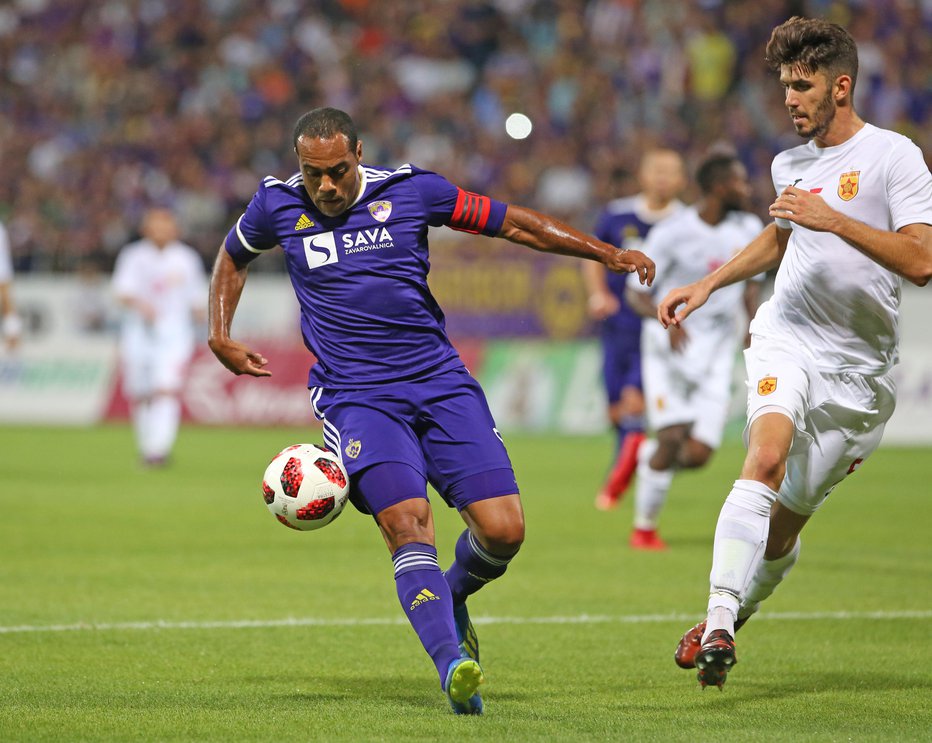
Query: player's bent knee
[[498, 525], [506, 540], [765, 463]]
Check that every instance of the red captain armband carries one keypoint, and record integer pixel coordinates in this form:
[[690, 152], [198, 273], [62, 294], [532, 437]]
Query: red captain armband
[[471, 213]]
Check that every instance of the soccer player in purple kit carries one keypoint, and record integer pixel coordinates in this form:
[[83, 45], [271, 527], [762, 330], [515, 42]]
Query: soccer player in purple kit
[[396, 402], [625, 222]]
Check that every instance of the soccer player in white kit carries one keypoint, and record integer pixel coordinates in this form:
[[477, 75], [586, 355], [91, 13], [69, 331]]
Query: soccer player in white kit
[[10, 324], [162, 286], [687, 371], [852, 219]]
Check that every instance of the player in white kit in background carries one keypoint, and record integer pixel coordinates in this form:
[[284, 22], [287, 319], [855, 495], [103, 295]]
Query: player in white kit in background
[[688, 370], [852, 219], [10, 324], [161, 286]]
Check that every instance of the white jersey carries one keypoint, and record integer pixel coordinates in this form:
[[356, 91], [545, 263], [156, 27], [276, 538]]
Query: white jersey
[[685, 248], [692, 385], [830, 299], [171, 280], [6, 260]]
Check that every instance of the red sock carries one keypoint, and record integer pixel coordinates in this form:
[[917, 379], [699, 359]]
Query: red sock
[[625, 465]]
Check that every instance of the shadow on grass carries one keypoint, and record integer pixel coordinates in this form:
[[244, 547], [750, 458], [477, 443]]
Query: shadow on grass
[[391, 689], [738, 690]]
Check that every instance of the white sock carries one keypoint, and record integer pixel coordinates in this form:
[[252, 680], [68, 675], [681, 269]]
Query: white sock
[[740, 538], [769, 575], [165, 417], [650, 493]]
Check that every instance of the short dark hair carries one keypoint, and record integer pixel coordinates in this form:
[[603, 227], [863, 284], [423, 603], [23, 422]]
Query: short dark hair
[[814, 45], [326, 123], [715, 169]]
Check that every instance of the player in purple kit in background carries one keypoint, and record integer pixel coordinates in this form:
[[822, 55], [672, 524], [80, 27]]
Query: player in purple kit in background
[[396, 402], [625, 223]]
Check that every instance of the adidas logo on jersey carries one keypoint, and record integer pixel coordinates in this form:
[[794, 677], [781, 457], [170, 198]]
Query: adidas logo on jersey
[[423, 596], [303, 223]]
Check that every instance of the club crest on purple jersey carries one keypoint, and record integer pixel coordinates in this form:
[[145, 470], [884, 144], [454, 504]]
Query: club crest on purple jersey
[[380, 210]]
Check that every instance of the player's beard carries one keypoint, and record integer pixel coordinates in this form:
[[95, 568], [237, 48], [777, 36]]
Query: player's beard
[[736, 204], [821, 119]]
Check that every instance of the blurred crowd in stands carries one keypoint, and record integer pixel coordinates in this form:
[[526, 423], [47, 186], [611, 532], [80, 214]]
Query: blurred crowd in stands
[[109, 106]]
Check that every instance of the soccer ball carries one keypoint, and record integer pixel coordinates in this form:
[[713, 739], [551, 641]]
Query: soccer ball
[[305, 486]]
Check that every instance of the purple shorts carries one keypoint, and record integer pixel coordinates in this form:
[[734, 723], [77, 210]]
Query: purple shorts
[[621, 365], [439, 427]]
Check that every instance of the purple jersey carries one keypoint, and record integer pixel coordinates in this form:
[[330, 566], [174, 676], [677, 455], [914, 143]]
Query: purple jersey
[[625, 223], [367, 313]]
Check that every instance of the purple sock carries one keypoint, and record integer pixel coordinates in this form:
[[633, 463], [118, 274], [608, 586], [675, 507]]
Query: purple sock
[[425, 598], [473, 567]]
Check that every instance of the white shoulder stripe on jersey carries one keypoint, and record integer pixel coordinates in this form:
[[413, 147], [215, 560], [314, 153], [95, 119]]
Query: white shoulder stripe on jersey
[[381, 175], [375, 175], [244, 241], [292, 182]]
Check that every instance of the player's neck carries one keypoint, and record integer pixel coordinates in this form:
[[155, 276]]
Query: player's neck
[[843, 127], [711, 211], [655, 203]]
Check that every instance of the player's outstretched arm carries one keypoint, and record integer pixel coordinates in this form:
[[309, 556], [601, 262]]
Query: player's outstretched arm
[[907, 252], [540, 232], [763, 253], [226, 287]]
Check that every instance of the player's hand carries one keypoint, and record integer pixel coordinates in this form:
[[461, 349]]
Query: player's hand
[[803, 208], [146, 311], [603, 304], [678, 338], [239, 359], [631, 261], [692, 297]]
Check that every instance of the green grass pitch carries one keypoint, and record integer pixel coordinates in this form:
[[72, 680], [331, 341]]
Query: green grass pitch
[[169, 605]]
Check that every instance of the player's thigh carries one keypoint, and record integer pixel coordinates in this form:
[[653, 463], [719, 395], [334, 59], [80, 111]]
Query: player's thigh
[[464, 451], [395, 495]]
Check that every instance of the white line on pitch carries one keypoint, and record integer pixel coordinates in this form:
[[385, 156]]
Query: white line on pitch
[[377, 621]]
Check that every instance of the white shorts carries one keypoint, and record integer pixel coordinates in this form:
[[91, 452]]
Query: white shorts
[[839, 418], [150, 367], [692, 387]]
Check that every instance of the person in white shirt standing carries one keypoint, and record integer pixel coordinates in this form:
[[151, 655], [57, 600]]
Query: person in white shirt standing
[[10, 324], [688, 370], [852, 220], [161, 285]]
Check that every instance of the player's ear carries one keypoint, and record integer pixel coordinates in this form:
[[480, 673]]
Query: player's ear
[[842, 88], [359, 149]]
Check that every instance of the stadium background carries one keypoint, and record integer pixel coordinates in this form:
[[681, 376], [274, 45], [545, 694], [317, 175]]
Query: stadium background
[[108, 107]]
